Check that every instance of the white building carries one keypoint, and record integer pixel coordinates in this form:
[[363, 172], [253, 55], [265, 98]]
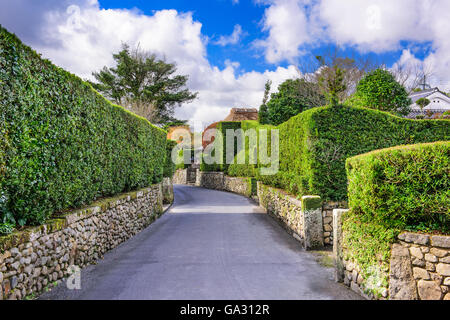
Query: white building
[[439, 102]]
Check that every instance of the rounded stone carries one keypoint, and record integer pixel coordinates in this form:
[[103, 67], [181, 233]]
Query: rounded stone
[[420, 273], [443, 269], [416, 252], [429, 290]]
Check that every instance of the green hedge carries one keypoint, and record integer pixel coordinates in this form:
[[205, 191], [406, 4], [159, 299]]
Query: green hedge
[[63, 144], [405, 186], [315, 144], [391, 190], [169, 165], [248, 169]]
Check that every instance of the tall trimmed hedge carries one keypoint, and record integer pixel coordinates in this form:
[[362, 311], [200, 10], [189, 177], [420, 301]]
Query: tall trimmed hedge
[[169, 165], [315, 144], [249, 169], [404, 186], [63, 144]]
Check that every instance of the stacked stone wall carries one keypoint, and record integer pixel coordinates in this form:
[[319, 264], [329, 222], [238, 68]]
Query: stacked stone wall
[[38, 257]]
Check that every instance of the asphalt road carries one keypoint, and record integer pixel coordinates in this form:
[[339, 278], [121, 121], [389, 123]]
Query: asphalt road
[[208, 245]]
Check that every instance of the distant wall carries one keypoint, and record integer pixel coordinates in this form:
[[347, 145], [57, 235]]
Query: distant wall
[[180, 176]]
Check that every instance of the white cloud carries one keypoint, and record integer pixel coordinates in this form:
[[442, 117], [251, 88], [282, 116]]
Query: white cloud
[[82, 39], [231, 39], [288, 26], [369, 26]]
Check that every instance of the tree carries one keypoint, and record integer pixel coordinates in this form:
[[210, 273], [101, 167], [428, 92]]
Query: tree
[[144, 85], [331, 83], [174, 123], [336, 74], [379, 90], [263, 111], [422, 103], [293, 97], [412, 75]]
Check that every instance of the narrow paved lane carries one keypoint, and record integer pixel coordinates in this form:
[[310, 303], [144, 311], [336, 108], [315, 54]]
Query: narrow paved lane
[[209, 245]]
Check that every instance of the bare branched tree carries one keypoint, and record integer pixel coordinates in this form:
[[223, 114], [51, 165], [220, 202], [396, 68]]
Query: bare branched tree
[[412, 75], [333, 65]]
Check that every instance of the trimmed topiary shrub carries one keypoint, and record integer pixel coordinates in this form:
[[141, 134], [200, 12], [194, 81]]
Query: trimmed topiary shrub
[[63, 144], [405, 186], [392, 190], [315, 144]]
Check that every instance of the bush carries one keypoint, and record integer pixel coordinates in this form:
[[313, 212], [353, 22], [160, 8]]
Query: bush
[[379, 90], [169, 166], [63, 144], [293, 97], [405, 186], [250, 169], [315, 144], [390, 190], [222, 127]]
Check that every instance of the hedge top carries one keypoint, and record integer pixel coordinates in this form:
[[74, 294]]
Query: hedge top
[[393, 150], [404, 186]]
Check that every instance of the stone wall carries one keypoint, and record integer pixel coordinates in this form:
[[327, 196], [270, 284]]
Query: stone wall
[[167, 191], [302, 218], [210, 180], [243, 186], [219, 181], [419, 267], [327, 215], [180, 176], [33, 259]]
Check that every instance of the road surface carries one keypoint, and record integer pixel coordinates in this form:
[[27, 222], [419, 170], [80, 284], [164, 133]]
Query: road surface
[[208, 245]]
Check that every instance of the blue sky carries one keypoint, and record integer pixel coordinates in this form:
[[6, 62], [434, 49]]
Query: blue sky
[[219, 17], [230, 48]]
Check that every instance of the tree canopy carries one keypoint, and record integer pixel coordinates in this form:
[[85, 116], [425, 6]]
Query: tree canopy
[[143, 84], [293, 97], [379, 90], [423, 102]]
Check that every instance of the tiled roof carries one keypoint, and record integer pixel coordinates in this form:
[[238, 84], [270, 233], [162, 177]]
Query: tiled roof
[[423, 94]]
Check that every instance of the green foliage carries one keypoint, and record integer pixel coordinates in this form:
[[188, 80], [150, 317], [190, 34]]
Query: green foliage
[[249, 168], [205, 167], [332, 84], [391, 190], [174, 123], [379, 90], [293, 97], [263, 115], [423, 102], [222, 147], [184, 158], [368, 243], [315, 144], [63, 144], [6, 228], [169, 166], [144, 84], [403, 186]]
